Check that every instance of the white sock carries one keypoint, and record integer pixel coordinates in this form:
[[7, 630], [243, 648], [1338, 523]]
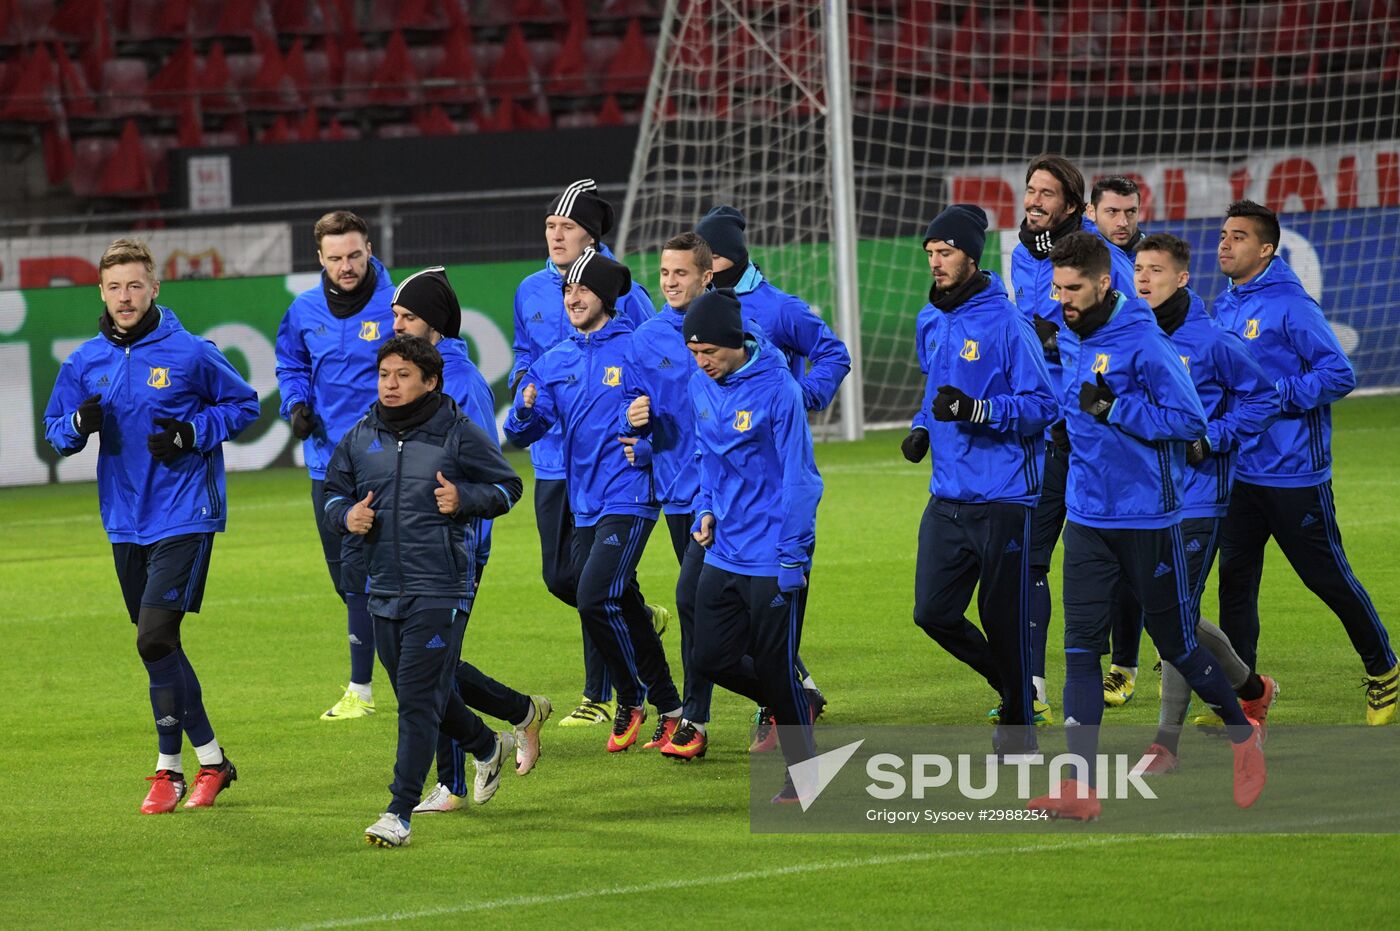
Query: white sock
[[361, 689], [170, 761], [697, 725], [1039, 683], [1129, 671], [671, 714], [211, 754], [807, 683]]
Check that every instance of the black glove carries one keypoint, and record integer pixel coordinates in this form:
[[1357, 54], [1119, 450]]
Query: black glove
[[303, 421], [89, 419], [1049, 336], [1059, 435], [1197, 451], [915, 445], [174, 439], [1096, 398], [953, 404]]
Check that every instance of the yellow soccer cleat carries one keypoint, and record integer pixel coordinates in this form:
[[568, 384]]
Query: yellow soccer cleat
[[1380, 696], [660, 618], [349, 706], [1041, 714], [1118, 687], [590, 712], [1208, 719]]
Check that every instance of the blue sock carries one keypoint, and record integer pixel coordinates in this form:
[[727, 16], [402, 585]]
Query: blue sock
[[1040, 623], [361, 626], [1083, 705], [1207, 679], [167, 700], [194, 720]]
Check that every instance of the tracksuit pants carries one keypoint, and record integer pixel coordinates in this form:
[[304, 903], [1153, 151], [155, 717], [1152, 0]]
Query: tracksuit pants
[[614, 613], [1047, 520], [981, 546], [556, 526], [698, 691], [1304, 522], [747, 633]]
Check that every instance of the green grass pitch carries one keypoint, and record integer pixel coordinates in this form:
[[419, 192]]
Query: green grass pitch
[[590, 839]]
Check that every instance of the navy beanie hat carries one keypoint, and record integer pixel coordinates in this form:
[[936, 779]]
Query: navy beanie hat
[[962, 226], [428, 295], [723, 229], [715, 317], [601, 275], [580, 202]]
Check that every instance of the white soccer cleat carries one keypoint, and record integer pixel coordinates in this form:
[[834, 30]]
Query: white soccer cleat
[[440, 799], [488, 774], [527, 738], [389, 831]]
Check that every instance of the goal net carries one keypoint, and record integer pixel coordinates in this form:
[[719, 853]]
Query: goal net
[[1295, 105]]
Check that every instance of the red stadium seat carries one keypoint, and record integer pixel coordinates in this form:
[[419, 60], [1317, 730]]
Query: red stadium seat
[[35, 96], [514, 72], [277, 132], [456, 79], [571, 70], [630, 69], [433, 121], [270, 87], [76, 19], [298, 18], [89, 158], [128, 172], [78, 98], [124, 88], [176, 81], [361, 66], [190, 131], [216, 91]]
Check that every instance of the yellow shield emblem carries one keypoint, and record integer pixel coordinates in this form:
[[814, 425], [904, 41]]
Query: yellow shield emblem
[[160, 378], [369, 330], [1186, 361], [612, 376], [969, 350], [1100, 363], [743, 420], [1251, 329]]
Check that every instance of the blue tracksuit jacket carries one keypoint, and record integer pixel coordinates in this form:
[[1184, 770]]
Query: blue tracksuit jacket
[[988, 350], [1285, 331], [463, 382], [1128, 473], [541, 323], [758, 474], [793, 327], [580, 388], [660, 366], [1239, 400], [168, 373], [328, 363]]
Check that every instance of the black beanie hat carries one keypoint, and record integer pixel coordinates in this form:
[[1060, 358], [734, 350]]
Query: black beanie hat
[[715, 317], [962, 226], [580, 202], [428, 295], [723, 229], [601, 275]]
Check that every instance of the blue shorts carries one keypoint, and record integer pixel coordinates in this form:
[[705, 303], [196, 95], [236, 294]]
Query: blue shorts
[[167, 574]]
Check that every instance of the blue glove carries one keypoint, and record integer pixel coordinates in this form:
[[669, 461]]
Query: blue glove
[[791, 578], [641, 454]]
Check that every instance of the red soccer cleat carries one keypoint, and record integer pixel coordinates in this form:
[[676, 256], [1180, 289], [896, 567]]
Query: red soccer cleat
[[687, 743], [1066, 802], [1250, 772], [209, 782], [664, 729], [167, 788], [765, 732], [626, 724], [1163, 761], [1257, 710]]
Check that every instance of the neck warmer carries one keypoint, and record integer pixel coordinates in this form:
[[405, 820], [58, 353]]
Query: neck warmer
[[148, 322], [947, 301], [1172, 313], [346, 304], [1040, 243], [731, 275], [1091, 320], [405, 417]]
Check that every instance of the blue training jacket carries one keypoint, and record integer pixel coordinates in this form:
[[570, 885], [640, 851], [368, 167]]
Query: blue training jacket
[[1285, 331], [1239, 400], [988, 350], [1128, 474], [758, 474], [794, 327], [580, 387], [463, 382], [170, 372], [328, 363], [541, 323], [659, 366]]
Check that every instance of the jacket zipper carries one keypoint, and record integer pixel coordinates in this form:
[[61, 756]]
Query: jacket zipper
[[398, 483]]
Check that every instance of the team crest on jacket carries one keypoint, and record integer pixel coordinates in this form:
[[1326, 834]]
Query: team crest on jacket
[[369, 330], [743, 420], [1186, 361], [1100, 364], [1251, 329], [969, 351], [160, 378], [612, 376]]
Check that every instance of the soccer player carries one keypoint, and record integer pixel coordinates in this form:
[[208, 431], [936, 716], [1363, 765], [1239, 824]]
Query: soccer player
[[1240, 402], [578, 385], [326, 346], [409, 478], [161, 401], [1131, 410], [576, 220], [1284, 489], [756, 516], [987, 402], [425, 305], [658, 427], [816, 357]]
